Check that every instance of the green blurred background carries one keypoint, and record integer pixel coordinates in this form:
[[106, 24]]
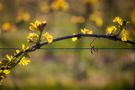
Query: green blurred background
[[52, 68]]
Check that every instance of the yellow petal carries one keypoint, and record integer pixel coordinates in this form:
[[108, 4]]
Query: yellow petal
[[118, 20], [74, 39], [49, 37], [9, 57], [6, 71], [24, 61], [17, 51], [86, 31], [124, 35]]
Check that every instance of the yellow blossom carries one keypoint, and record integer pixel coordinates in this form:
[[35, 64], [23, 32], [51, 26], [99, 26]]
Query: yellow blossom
[[48, 36], [9, 57], [6, 71], [24, 61], [86, 31], [17, 51], [111, 30], [37, 25], [60, 5], [118, 20], [74, 38], [32, 37], [124, 35], [24, 47]]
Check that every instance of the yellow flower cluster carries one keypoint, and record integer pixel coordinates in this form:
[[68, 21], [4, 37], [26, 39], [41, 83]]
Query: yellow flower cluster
[[118, 20], [86, 31], [111, 30], [10, 61], [77, 19], [24, 61], [60, 5], [32, 37], [37, 25], [124, 35], [48, 37]]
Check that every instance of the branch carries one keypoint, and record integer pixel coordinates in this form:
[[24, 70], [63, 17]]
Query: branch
[[37, 46]]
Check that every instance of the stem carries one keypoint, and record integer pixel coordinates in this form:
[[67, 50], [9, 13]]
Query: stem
[[35, 46], [40, 37]]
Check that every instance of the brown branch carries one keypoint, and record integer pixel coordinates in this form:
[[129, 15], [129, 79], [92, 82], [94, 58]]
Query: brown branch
[[37, 46]]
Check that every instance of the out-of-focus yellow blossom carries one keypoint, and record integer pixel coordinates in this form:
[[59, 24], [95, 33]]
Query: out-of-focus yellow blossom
[[6, 26], [60, 5], [37, 25], [48, 37], [77, 19], [32, 37], [1, 6], [133, 16], [6, 71], [124, 35], [96, 17], [86, 31], [24, 47], [118, 20], [23, 15], [111, 30], [91, 1], [44, 7], [24, 61], [9, 57]]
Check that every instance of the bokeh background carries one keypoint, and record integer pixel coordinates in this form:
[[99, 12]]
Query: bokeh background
[[59, 66]]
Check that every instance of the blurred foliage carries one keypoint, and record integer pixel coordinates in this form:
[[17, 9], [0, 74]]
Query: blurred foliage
[[49, 68]]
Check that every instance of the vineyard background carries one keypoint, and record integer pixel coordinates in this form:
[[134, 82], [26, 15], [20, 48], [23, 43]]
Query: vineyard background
[[69, 65]]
